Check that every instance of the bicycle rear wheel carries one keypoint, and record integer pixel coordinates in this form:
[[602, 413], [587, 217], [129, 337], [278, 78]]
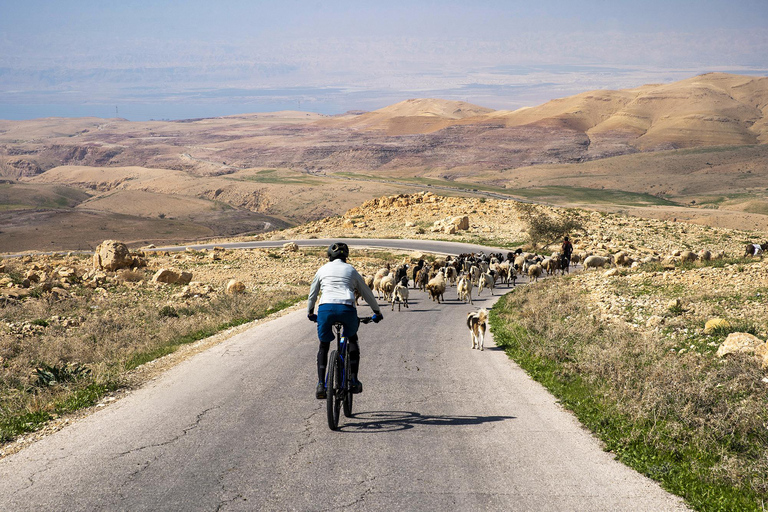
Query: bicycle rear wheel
[[334, 392]]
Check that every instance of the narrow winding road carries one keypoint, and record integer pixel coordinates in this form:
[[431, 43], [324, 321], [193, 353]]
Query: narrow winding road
[[439, 427]]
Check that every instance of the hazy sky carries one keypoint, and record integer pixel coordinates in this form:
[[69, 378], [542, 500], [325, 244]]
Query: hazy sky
[[183, 59]]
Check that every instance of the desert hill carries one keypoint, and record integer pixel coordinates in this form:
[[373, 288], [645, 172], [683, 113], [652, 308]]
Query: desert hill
[[414, 116], [711, 109], [695, 142]]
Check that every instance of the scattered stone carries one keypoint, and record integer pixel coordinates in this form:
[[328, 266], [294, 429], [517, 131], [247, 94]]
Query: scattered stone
[[166, 276], [196, 288], [235, 286], [611, 272], [714, 324], [59, 293], [654, 321], [214, 256]]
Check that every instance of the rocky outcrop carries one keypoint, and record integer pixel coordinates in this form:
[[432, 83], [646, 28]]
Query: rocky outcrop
[[451, 225], [112, 255]]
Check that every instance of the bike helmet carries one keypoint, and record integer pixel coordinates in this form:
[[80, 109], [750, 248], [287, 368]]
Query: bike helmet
[[338, 250]]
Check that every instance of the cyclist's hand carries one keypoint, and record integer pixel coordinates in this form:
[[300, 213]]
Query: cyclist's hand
[[377, 317], [312, 317]]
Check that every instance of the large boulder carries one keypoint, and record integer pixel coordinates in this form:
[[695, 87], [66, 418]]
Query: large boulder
[[290, 247], [112, 255], [739, 342]]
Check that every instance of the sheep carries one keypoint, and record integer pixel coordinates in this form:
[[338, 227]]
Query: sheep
[[368, 283], [436, 287], [705, 255], [415, 272], [504, 270], [756, 249], [688, 256], [422, 278], [400, 293], [486, 281], [464, 289], [534, 271], [450, 275], [474, 274], [596, 262], [377, 280], [400, 272], [387, 286]]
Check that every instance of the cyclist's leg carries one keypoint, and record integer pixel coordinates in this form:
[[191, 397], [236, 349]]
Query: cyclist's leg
[[354, 355], [325, 335]]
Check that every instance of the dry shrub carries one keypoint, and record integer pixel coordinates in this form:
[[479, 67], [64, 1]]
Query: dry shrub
[[683, 401], [127, 275]]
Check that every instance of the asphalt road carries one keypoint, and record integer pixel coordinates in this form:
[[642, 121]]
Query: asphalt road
[[439, 427]]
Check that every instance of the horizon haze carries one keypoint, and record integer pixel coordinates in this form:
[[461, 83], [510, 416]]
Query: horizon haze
[[144, 60]]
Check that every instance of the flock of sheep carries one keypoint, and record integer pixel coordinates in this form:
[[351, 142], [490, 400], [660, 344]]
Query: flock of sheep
[[484, 271], [465, 272]]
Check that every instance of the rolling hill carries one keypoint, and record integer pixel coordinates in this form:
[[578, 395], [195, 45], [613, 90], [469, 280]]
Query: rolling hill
[[253, 172]]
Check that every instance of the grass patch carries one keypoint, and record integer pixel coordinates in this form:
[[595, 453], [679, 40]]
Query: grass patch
[[691, 421], [585, 195], [274, 176]]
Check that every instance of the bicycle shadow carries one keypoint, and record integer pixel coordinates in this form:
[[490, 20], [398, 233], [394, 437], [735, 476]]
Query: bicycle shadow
[[391, 421]]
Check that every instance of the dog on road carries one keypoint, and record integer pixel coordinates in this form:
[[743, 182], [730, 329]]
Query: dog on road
[[477, 322]]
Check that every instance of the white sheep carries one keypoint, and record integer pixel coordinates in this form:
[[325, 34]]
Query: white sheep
[[377, 281], [387, 286], [596, 262], [436, 287], [400, 294], [534, 271], [464, 289], [486, 281]]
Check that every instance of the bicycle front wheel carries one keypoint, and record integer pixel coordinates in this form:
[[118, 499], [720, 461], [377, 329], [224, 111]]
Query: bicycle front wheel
[[334, 391]]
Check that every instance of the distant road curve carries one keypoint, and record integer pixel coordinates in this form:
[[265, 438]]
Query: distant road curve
[[432, 246]]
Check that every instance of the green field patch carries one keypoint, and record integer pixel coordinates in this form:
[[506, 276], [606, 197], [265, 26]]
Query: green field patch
[[584, 195], [275, 177]]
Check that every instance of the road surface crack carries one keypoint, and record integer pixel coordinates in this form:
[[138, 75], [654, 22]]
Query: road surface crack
[[183, 433]]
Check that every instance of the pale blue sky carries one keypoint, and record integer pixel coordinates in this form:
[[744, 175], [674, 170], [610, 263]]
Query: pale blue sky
[[183, 59]]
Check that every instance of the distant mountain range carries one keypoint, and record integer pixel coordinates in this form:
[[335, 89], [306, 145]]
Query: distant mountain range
[[712, 109], [254, 172]]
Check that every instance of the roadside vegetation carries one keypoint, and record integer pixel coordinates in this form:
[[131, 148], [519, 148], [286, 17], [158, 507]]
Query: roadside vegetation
[[655, 394], [61, 352]]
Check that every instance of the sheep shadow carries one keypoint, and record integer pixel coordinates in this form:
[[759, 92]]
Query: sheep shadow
[[392, 421]]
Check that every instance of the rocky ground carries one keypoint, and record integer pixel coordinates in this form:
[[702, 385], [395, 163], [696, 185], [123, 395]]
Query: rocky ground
[[666, 297]]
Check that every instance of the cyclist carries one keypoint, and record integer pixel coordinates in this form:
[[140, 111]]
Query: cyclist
[[338, 280]]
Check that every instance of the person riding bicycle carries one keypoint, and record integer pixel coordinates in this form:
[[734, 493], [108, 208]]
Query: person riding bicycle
[[338, 281]]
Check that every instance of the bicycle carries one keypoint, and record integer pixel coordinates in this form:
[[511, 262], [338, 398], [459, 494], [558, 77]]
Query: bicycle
[[338, 382]]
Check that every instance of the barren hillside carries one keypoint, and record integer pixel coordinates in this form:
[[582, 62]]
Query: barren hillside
[[180, 180]]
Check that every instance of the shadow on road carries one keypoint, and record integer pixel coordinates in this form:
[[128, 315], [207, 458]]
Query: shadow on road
[[390, 421]]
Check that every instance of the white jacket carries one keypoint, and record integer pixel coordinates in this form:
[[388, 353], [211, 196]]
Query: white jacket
[[338, 281]]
